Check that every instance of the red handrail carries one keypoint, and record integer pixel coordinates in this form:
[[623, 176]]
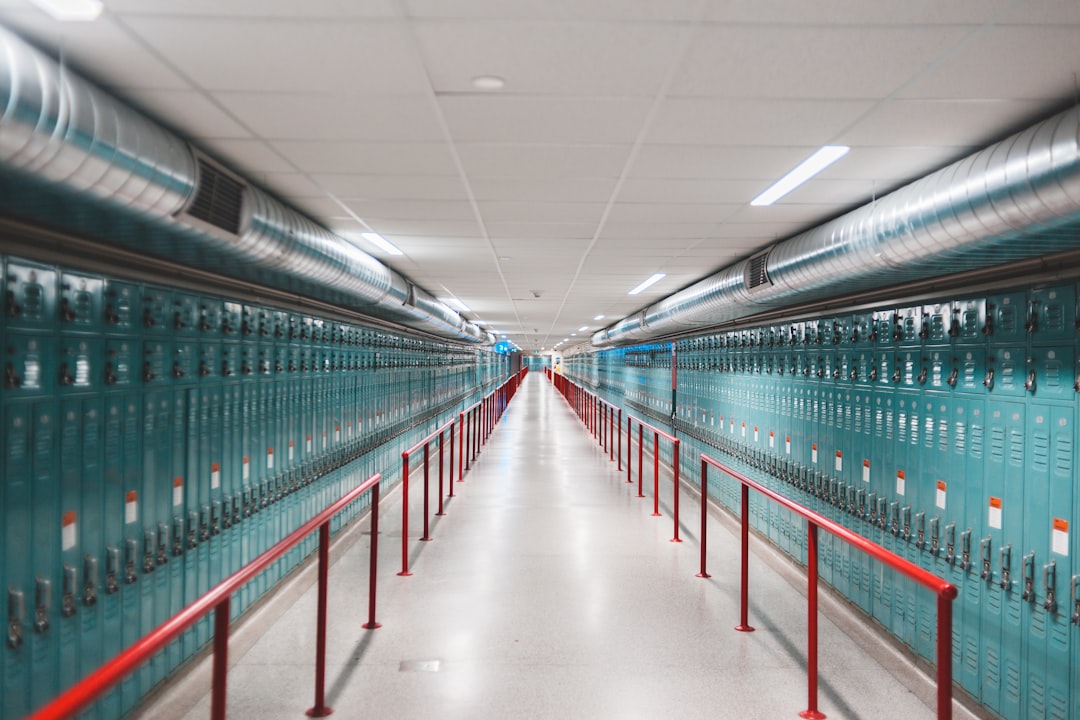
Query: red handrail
[[425, 445], [945, 592], [217, 599], [675, 444]]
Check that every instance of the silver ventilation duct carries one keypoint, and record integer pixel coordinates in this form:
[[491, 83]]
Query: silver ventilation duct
[[60, 128], [1017, 199]]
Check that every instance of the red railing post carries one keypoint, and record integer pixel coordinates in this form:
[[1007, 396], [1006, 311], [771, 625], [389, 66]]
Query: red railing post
[[461, 455], [427, 462], [811, 712], [441, 443], [468, 438], [374, 560], [404, 515], [319, 709], [656, 474], [221, 659], [629, 448], [611, 432], [675, 462], [944, 656], [618, 431], [640, 452], [744, 566], [476, 433], [704, 513]]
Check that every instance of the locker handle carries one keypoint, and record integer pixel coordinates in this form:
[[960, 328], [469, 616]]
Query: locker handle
[[951, 380], [896, 375], [131, 550], [192, 528], [894, 514], [1005, 563], [149, 547], [905, 513], [922, 376], [1029, 577], [90, 570], [954, 327], [112, 570], [1076, 599], [873, 374], [178, 536], [42, 602], [988, 326], [162, 554], [984, 554], [16, 612], [920, 530], [924, 331], [935, 525], [854, 374], [988, 381], [1032, 324], [12, 381], [965, 549], [204, 523], [66, 378], [1029, 384], [1049, 581], [71, 580]]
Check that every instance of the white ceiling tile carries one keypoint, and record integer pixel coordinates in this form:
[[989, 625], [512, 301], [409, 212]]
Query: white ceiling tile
[[126, 63], [1021, 62], [716, 161], [670, 212], [408, 209], [792, 62], [393, 187], [543, 161], [529, 119], [855, 12], [805, 216], [540, 230], [502, 211], [554, 58], [1045, 12], [543, 190], [440, 228], [753, 122], [688, 191], [257, 54], [889, 165], [834, 193], [614, 229], [328, 116], [943, 123], [640, 10], [248, 156], [290, 185], [256, 8], [197, 114], [750, 233], [368, 158]]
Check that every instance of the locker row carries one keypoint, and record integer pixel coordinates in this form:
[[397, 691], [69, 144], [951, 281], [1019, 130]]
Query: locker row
[[974, 482], [122, 500]]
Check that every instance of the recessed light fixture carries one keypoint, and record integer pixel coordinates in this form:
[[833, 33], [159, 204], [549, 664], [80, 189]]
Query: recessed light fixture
[[648, 283], [807, 169], [71, 10], [583, 328], [488, 82], [380, 242], [598, 317]]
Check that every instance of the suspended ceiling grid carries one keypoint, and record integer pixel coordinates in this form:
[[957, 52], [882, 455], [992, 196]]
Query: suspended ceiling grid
[[629, 138]]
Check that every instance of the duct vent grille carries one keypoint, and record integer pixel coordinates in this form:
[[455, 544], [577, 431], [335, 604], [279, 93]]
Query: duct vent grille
[[219, 199], [756, 271]]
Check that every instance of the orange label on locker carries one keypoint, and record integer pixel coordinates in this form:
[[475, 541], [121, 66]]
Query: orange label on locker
[[178, 491], [215, 467], [67, 530], [900, 474], [1061, 525], [941, 485], [69, 518], [995, 503], [131, 496]]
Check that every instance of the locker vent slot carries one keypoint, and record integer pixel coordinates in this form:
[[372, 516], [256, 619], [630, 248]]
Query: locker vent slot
[[976, 440], [997, 444], [1063, 455], [219, 199], [1040, 459], [756, 272]]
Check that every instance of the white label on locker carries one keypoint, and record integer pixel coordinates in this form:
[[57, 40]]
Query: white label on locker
[[67, 530], [813, 453], [839, 465], [215, 476], [269, 458], [755, 433], [994, 516], [901, 482], [744, 429], [1059, 538], [348, 429], [245, 469], [292, 450], [324, 439], [939, 497], [731, 426], [772, 440], [177, 491], [131, 507], [866, 471], [307, 442], [787, 444], [337, 433]]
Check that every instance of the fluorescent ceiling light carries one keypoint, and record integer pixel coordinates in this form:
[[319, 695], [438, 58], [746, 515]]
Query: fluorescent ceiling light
[[71, 10], [598, 317], [583, 328], [380, 242], [456, 304], [809, 167], [648, 283]]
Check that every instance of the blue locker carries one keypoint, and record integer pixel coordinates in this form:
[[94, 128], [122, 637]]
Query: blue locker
[[111, 573], [17, 568], [92, 538], [67, 524], [43, 596]]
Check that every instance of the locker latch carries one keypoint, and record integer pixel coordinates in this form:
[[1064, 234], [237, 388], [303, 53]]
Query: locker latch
[[882, 513], [898, 329], [920, 530], [1032, 324], [149, 548], [1005, 563], [12, 381], [861, 495], [192, 530], [924, 330], [988, 381], [112, 570], [935, 538], [90, 571], [988, 326], [1029, 577], [1076, 599], [16, 612], [894, 515], [66, 378], [237, 513], [215, 518], [854, 374], [131, 551], [951, 380], [984, 555], [204, 523], [1029, 384], [905, 514], [67, 601], [1050, 582], [896, 374], [177, 536], [965, 549], [42, 602], [873, 374], [921, 378]]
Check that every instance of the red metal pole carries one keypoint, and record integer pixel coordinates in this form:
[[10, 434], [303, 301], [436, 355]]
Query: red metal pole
[[656, 474], [319, 709], [461, 455], [468, 438], [404, 515], [611, 432], [629, 448], [221, 659], [640, 451], [441, 443], [618, 431], [372, 574], [704, 511], [744, 571], [427, 462], [944, 657], [675, 460], [811, 713], [476, 432]]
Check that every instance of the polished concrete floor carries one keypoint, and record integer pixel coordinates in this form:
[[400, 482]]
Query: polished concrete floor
[[549, 591]]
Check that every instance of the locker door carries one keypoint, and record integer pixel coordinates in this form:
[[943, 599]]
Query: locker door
[[17, 571]]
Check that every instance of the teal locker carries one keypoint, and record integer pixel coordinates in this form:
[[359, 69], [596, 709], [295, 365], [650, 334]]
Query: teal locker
[[17, 568], [111, 549], [67, 524], [43, 599], [156, 312], [1051, 314], [158, 506], [91, 539]]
